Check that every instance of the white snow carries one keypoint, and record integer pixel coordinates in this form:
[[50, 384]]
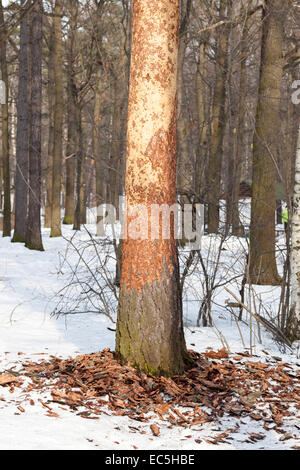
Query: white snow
[[29, 282]]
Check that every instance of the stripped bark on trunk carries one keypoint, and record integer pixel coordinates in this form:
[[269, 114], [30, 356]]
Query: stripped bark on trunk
[[150, 328]]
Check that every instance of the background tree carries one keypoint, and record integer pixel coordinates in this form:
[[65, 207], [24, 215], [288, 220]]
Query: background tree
[[218, 119], [71, 147], [293, 324], [5, 128], [263, 269], [58, 121], [21, 177], [33, 238]]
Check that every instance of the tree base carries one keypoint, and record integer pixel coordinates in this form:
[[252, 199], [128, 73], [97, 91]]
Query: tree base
[[68, 220], [265, 279], [18, 238], [150, 331]]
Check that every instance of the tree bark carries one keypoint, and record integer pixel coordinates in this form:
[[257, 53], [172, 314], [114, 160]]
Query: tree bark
[[263, 268], [58, 122], [71, 144], [98, 157], [293, 324], [218, 124], [21, 178], [33, 238], [150, 327], [79, 164], [120, 87], [184, 174], [51, 106], [237, 169], [5, 129], [83, 185], [203, 112]]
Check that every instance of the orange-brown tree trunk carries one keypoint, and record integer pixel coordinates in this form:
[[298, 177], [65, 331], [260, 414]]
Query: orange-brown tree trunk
[[150, 328]]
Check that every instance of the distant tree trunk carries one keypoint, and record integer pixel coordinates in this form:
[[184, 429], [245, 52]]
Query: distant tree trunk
[[150, 328], [100, 182], [278, 211], [21, 178], [263, 268], [232, 113], [184, 166], [120, 76], [83, 185], [202, 105], [79, 163], [51, 106], [58, 122], [293, 324], [218, 123], [237, 169], [33, 239], [5, 130], [70, 169], [118, 133], [184, 173], [71, 144]]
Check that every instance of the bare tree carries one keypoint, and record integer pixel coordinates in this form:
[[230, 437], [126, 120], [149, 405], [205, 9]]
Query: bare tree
[[263, 269], [21, 178], [58, 121], [33, 239], [5, 128]]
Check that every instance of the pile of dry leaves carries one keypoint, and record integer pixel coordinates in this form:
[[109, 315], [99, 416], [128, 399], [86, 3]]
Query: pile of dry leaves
[[218, 384]]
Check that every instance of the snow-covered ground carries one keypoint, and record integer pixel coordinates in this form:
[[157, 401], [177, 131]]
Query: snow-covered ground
[[29, 282]]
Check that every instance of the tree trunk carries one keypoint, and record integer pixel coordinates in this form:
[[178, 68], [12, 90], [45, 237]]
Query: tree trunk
[[5, 130], [202, 108], [51, 106], [150, 327], [79, 164], [33, 239], [293, 324], [83, 185], [21, 178], [72, 137], [58, 122], [118, 133], [237, 169], [237, 229], [218, 124], [98, 157], [184, 174], [263, 269]]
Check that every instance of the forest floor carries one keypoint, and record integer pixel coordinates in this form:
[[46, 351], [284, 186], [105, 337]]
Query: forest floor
[[61, 388]]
